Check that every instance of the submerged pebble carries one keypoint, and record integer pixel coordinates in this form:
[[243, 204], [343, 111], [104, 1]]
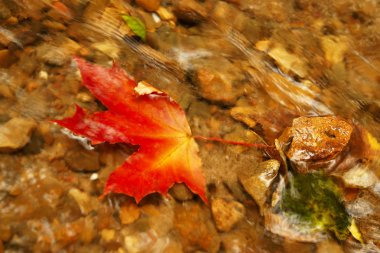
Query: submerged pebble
[[257, 181], [149, 5], [226, 213], [15, 134], [55, 56], [80, 159]]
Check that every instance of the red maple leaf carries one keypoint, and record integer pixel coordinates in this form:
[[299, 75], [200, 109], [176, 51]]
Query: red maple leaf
[[141, 115]]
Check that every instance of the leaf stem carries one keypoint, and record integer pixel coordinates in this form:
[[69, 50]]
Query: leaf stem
[[245, 144]]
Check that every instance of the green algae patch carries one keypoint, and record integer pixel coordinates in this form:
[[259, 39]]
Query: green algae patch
[[315, 200]]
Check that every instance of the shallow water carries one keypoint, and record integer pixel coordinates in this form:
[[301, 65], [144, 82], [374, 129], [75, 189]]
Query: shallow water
[[241, 69]]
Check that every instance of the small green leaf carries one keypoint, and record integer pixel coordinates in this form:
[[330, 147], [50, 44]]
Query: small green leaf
[[136, 25]]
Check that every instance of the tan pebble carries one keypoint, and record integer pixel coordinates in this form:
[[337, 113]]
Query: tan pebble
[[120, 250], [5, 233], [107, 234], [43, 75], [70, 45], [195, 228], [84, 52], [108, 48], [4, 40], [181, 192], [172, 23], [15, 190], [88, 231], [257, 181], [54, 25], [165, 14], [16, 133], [12, 21], [129, 213], [5, 91], [173, 247], [329, 246], [31, 86], [244, 114], [150, 210], [226, 213], [85, 97], [84, 201]]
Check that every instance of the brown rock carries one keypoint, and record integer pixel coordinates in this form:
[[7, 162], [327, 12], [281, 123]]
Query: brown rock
[[5, 58], [149, 5], [158, 218], [181, 193], [315, 139], [84, 201], [195, 228], [4, 40], [257, 181], [80, 159], [107, 235], [226, 213], [173, 247], [244, 114], [189, 11], [15, 134], [165, 14], [12, 21], [329, 246], [54, 25], [129, 213], [6, 91], [5, 232], [217, 79], [81, 230], [284, 226], [288, 62], [236, 241], [4, 11], [53, 55], [223, 11], [300, 247], [108, 48], [359, 176], [28, 63]]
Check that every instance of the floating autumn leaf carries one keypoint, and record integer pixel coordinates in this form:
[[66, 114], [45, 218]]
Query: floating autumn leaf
[[141, 115]]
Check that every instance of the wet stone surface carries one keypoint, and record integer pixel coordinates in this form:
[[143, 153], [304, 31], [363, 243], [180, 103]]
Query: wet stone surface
[[226, 213], [79, 159], [195, 228], [15, 134], [257, 182], [313, 140]]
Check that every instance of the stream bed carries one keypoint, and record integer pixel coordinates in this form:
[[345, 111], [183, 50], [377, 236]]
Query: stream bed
[[303, 72]]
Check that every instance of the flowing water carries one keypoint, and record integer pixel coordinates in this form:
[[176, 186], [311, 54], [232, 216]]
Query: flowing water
[[241, 69]]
